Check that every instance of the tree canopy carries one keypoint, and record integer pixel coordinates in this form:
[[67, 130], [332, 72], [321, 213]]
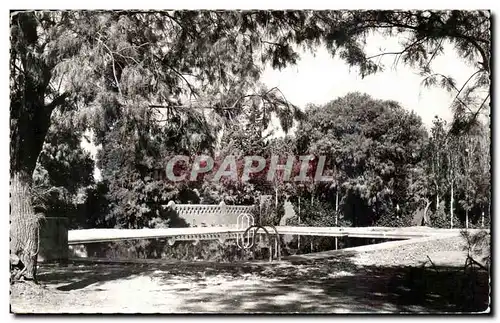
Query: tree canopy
[[373, 146], [151, 84]]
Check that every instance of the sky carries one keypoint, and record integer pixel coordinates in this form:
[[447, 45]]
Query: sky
[[320, 78]]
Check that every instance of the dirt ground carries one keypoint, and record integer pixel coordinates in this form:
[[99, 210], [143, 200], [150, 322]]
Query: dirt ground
[[385, 280]]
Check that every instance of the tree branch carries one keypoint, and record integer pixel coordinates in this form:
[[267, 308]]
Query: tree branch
[[180, 25], [480, 107], [474, 41], [432, 263], [400, 52], [463, 86], [473, 261], [191, 88], [56, 102], [271, 43], [114, 68], [434, 54], [486, 61], [454, 87]]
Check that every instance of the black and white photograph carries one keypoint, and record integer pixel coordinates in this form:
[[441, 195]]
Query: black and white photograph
[[222, 161]]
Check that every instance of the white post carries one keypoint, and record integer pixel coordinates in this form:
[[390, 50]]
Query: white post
[[275, 247], [298, 238], [336, 214], [260, 210], [223, 214], [171, 204], [451, 206]]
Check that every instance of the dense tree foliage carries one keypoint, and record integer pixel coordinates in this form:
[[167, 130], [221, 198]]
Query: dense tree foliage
[[151, 84], [64, 170], [114, 68], [458, 171], [386, 168], [374, 147]]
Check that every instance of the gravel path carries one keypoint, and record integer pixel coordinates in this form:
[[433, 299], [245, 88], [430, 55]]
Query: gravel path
[[446, 251]]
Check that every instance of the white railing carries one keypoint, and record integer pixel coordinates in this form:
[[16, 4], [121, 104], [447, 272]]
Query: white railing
[[205, 215], [245, 221]]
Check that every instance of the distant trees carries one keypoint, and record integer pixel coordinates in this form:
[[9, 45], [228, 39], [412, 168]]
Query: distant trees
[[459, 168], [374, 147], [436, 153], [386, 166]]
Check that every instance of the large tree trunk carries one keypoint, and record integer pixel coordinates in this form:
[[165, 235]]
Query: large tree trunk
[[26, 144], [24, 225], [28, 131], [29, 122]]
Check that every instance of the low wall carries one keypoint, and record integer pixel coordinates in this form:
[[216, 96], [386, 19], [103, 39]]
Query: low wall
[[205, 215], [53, 240]]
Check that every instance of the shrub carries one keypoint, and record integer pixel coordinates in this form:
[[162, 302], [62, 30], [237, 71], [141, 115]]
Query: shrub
[[317, 214], [441, 219], [478, 246], [269, 213], [391, 220]]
